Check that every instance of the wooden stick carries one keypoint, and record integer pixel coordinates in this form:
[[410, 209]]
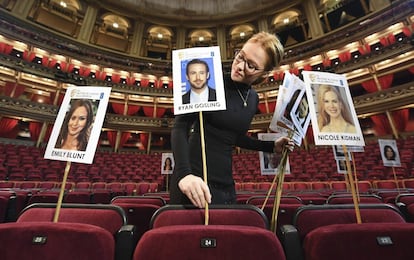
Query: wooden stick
[[352, 185], [395, 178], [347, 182], [62, 191], [269, 191], [203, 154], [167, 183], [356, 177], [278, 195]]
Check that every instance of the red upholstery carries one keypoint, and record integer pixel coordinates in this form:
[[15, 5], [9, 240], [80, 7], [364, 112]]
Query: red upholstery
[[231, 242], [360, 242], [405, 198], [101, 196], [64, 241], [83, 185], [138, 215], [4, 201], [410, 212], [77, 197], [285, 214], [109, 217], [153, 200], [247, 215], [347, 199], [259, 200], [310, 217], [44, 198]]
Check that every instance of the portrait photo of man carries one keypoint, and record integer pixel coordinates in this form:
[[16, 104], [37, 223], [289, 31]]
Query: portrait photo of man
[[197, 75], [302, 111]]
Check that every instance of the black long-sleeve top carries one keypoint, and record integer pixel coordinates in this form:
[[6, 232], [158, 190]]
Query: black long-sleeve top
[[223, 130]]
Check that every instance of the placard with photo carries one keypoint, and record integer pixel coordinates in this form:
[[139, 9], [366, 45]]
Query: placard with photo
[[333, 116], [78, 125], [269, 162], [389, 152], [339, 153], [198, 80], [289, 98], [167, 163]]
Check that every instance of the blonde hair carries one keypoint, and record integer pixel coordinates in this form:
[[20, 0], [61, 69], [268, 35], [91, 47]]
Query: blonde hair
[[272, 46], [323, 117]]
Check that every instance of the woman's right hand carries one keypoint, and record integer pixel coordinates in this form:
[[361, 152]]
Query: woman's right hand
[[196, 190]]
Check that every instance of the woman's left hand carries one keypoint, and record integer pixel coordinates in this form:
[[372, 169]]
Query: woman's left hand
[[284, 142]]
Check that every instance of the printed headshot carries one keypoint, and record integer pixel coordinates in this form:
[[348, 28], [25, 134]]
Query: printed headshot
[[334, 115], [290, 105], [76, 127], [341, 166], [197, 74], [302, 111], [389, 153], [168, 165]]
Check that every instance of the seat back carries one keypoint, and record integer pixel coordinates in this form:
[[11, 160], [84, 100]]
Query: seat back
[[138, 215], [348, 199], [47, 241], [259, 200], [248, 215], [381, 241], [310, 217], [153, 200], [109, 217], [404, 198], [204, 242], [44, 197], [404, 202], [4, 206], [83, 197], [285, 214]]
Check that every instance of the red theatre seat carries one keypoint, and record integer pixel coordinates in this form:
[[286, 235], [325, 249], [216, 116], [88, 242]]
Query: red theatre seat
[[153, 200], [380, 241], [247, 215], [49, 241], [311, 217], [109, 217], [205, 242], [139, 214]]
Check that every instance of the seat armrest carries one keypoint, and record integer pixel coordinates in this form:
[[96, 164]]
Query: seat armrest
[[126, 241], [289, 237]]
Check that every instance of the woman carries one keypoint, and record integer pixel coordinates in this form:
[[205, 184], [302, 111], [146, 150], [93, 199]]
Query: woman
[[75, 131], [333, 115], [223, 129], [389, 153], [168, 164]]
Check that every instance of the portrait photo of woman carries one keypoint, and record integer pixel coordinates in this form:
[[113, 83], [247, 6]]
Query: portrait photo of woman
[[76, 127], [168, 164], [389, 153], [333, 112]]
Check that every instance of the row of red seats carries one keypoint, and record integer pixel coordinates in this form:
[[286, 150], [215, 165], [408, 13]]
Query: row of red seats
[[19, 162], [181, 229], [363, 186]]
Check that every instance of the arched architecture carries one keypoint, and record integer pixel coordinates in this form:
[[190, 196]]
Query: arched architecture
[[45, 46]]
